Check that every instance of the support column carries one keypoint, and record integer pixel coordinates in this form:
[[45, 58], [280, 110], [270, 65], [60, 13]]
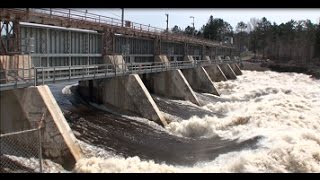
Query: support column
[[125, 92], [206, 58], [188, 58], [235, 68], [108, 43], [227, 70], [199, 80], [4, 67], [116, 60], [157, 46], [161, 58], [170, 84], [19, 67], [215, 73]]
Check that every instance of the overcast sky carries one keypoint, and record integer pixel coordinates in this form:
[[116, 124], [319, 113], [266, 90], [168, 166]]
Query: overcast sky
[[181, 17]]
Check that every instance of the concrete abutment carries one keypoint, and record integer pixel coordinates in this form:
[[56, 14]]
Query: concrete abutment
[[125, 92], [236, 69], [22, 109], [227, 70], [215, 73], [199, 80], [171, 84]]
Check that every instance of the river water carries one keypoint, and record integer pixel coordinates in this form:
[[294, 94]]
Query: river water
[[262, 122]]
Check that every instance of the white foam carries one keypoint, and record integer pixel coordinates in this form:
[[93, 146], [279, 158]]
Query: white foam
[[67, 90], [32, 163]]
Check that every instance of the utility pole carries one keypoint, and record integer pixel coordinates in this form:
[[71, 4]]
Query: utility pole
[[192, 21], [122, 15], [192, 24], [167, 22]]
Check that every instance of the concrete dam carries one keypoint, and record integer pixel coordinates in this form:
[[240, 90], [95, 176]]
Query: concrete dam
[[124, 67]]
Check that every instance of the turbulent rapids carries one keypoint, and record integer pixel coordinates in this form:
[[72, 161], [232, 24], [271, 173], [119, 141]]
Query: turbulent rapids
[[262, 122]]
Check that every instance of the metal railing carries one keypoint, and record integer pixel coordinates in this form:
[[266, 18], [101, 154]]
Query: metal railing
[[16, 78], [72, 14], [20, 78]]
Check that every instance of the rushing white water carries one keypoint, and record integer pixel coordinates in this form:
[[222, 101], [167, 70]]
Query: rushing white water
[[67, 89], [284, 108], [33, 164]]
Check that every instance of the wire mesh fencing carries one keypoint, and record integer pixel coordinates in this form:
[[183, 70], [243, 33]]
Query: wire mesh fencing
[[20, 152]]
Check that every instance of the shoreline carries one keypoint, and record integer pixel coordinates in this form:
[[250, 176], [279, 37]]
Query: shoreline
[[313, 71]]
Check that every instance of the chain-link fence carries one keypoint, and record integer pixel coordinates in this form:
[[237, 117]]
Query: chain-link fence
[[20, 152]]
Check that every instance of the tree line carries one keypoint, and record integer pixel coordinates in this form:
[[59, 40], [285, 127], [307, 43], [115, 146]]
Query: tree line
[[295, 41]]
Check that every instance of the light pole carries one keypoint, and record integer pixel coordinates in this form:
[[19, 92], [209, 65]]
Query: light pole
[[192, 21], [122, 16], [167, 22], [192, 24]]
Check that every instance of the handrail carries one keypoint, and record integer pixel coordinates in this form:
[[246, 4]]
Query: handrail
[[20, 78], [104, 20]]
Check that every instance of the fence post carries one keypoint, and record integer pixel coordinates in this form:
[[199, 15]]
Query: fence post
[[54, 74], [83, 72], [35, 76], [40, 125], [106, 71], [29, 75], [40, 149], [42, 76]]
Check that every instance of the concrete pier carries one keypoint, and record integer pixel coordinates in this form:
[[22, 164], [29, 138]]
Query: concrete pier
[[126, 92], [161, 58], [171, 84], [117, 61], [235, 68], [188, 58], [24, 108], [227, 70], [206, 58], [215, 73], [18, 66], [199, 80]]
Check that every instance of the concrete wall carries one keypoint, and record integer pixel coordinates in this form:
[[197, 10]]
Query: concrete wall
[[18, 66], [199, 80], [215, 73], [161, 58], [4, 64], [188, 58], [116, 60], [125, 92], [23, 108], [170, 84], [227, 70], [235, 68], [206, 58]]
